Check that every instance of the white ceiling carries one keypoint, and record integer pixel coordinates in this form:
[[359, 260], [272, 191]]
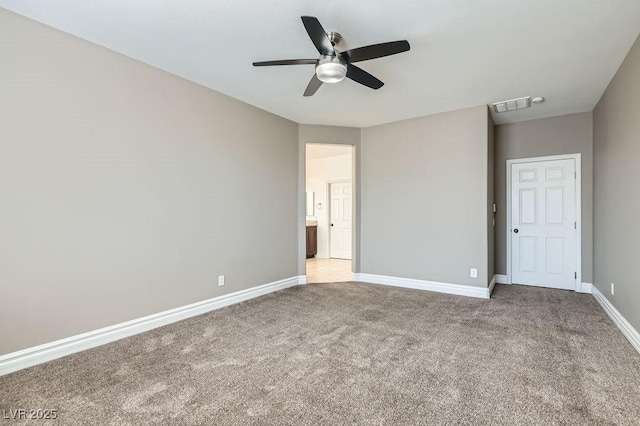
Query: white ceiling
[[315, 151], [464, 53]]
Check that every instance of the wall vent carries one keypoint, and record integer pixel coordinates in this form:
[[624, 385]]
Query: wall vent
[[512, 104]]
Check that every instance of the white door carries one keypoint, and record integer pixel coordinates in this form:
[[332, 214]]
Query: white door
[[340, 220], [543, 224]]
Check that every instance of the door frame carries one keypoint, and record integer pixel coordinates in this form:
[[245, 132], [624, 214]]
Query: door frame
[[310, 135], [329, 183], [578, 162]]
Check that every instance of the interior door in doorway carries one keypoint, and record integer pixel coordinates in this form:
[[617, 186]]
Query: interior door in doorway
[[543, 223], [340, 220]]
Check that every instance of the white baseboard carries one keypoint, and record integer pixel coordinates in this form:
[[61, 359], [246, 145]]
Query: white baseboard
[[585, 288], [501, 279], [459, 289], [302, 279], [492, 284], [627, 329], [38, 354]]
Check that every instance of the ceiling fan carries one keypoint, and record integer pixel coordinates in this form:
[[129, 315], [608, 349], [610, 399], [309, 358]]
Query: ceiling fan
[[333, 66]]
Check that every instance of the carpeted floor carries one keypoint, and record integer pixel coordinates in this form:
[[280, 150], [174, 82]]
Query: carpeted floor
[[354, 353]]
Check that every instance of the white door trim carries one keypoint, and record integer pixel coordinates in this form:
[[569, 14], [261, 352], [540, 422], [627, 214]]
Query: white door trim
[[353, 200], [578, 160]]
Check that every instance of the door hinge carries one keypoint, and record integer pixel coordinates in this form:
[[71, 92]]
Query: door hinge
[[575, 175], [575, 225], [575, 275]]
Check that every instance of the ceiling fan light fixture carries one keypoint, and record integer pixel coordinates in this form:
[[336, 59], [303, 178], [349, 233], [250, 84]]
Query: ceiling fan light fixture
[[331, 69], [331, 72]]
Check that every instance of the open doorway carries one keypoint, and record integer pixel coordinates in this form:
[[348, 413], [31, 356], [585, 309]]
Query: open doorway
[[329, 212]]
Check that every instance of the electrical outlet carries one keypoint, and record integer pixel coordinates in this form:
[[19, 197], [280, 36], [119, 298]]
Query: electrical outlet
[[221, 280], [473, 273], [613, 289]]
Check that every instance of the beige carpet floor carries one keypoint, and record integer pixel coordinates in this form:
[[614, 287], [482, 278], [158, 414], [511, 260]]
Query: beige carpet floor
[[354, 353]]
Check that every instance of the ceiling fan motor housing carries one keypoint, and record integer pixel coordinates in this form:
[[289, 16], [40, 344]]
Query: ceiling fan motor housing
[[334, 37], [331, 59]]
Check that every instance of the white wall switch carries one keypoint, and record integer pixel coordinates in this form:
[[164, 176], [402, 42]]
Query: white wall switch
[[473, 273], [613, 289], [221, 280]]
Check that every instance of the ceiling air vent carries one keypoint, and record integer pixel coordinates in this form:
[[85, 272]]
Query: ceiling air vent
[[512, 104]]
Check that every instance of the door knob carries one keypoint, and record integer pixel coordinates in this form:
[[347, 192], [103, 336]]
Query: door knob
[[515, 230]]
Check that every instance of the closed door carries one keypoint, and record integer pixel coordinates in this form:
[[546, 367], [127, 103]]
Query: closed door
[[340, 220], [543, 224]]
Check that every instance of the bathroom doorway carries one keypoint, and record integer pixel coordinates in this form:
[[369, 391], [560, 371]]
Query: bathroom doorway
[[329, 212]]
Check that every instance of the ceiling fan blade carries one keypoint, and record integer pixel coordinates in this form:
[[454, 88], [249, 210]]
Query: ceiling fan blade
[[313, 86], [318, 35], [286, 62], [361, 76], [376, 51]]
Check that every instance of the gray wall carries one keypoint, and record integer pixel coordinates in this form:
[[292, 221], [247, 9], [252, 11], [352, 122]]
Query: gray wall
[[491, 234], [125, 190], [424, 198], [568, 134], [616, 146], [308, 133]]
